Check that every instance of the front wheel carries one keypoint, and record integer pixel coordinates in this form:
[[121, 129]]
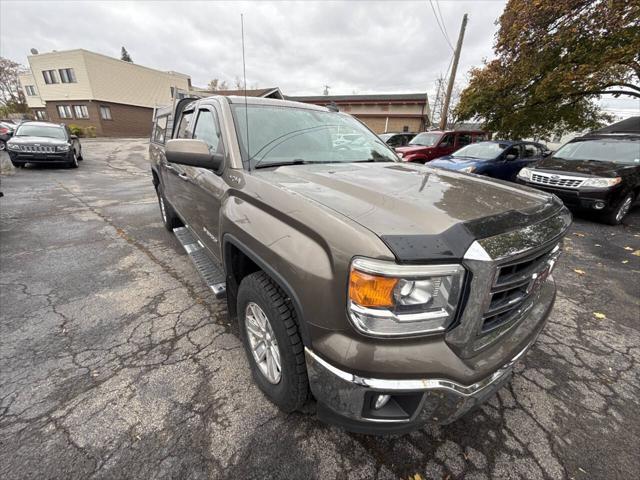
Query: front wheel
[[272, 342], [17, 164], [615, 217], [3, 145], [74, 161]]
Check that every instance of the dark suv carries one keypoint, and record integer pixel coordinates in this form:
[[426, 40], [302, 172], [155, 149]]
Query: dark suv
[[397, 139], [598, 173], [429, 145], [44, 143]]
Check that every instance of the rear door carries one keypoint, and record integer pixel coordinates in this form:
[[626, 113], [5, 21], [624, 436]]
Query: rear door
[[207, 186], [510, 168]]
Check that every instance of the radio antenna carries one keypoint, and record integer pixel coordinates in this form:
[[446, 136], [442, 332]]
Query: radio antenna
[[244, 74]]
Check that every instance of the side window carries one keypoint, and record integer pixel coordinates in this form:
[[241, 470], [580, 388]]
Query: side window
[[479, 137], [183, 128], [160, 129], [447, 141], [530, 151], [515, 150], [464, 139], [207, 130], [395, 141]]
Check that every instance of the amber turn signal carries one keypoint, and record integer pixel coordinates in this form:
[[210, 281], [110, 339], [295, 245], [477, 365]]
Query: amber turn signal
[[369, 290]]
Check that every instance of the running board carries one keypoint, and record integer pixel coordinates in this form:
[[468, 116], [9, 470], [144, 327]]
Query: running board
[[211, 272]]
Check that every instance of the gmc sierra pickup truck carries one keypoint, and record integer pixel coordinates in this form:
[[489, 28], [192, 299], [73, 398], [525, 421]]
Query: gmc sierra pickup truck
[[393, 293]]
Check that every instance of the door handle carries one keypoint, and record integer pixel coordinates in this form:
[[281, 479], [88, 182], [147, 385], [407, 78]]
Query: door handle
[[184, 176], [170, 167]]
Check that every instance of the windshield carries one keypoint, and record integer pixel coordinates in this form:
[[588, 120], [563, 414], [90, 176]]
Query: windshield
[[483, 151], [285, 136], [425, 139], [602, 150], [41, 131]]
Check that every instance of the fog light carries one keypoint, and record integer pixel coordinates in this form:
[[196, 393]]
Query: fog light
[[381, 401], [599, 205]]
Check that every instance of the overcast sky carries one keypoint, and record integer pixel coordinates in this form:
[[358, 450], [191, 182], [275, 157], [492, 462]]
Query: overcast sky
[[362, 47]]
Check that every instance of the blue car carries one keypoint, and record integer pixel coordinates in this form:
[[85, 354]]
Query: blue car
[[497, 159]]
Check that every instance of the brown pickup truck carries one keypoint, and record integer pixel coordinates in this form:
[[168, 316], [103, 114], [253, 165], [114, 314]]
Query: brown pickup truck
[[393, 293]]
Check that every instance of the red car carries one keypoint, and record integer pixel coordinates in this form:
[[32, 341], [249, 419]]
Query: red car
[[429, 145]]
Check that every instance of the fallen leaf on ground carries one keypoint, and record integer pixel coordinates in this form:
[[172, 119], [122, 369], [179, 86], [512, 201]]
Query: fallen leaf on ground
[[578, 234], [579, 272], [636, 253], [598, 245], [628, 248], [625, 261], [599, 316]]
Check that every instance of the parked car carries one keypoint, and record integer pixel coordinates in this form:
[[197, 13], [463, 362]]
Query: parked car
[[44, 143], [426, 146], [597, 173], [6, 132], [497, 159], [395, 296], [397, 139]]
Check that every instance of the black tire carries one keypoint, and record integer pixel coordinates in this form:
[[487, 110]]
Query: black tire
[[3, 146], [292, 390], [74, 161], [80, 155], [17, 164], [169, 217], [616, 216]]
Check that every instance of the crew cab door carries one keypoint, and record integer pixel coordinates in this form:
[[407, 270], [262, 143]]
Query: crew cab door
[[207, 187]]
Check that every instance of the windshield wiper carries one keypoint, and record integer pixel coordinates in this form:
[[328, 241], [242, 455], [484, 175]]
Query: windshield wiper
[[297, 161]]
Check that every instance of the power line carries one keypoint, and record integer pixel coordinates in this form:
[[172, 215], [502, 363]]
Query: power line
[[435, 15], [444, 25]]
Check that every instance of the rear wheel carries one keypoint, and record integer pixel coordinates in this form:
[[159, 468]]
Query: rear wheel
[[169, 217], [3, 145], [272, 342], [17, 164], [615, 216]]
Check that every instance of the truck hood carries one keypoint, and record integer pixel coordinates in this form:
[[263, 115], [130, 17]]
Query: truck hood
[[405, 200]]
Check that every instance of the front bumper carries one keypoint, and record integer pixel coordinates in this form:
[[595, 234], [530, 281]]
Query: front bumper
[[588, 199], [346, 399], [42, 158]]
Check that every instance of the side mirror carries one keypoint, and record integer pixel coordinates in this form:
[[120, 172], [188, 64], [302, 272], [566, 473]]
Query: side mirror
[[511, 156], [73, 137], [547, 153], [192, 152]]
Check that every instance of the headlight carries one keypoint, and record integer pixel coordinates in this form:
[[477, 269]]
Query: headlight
[[525, 173], [601, 182], [387, 299], [62, 148], [470, 169], [13, 146]]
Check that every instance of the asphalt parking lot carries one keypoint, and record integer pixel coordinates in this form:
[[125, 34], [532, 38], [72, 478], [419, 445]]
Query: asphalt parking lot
[[116, 362]]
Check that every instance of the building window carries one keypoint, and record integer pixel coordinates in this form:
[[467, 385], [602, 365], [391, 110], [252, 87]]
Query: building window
[[81, 111], [41, 114], [405, 128], [105, 113], [67, 75], [160, 129], [64, 111], [31, 90], [50, 76]]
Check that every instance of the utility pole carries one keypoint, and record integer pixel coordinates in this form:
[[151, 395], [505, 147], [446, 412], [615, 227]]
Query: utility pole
[[452, 78]]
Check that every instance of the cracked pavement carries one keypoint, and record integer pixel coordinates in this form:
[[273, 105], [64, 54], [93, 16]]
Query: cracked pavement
[[116, 362]]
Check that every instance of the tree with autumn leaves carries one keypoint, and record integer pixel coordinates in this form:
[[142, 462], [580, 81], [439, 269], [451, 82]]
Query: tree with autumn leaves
[[555, 58]]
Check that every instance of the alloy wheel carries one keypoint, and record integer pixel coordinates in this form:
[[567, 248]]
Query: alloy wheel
[[624, 208], [263, 343]]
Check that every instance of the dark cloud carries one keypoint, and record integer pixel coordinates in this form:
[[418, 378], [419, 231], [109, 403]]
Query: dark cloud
[[351, 46]]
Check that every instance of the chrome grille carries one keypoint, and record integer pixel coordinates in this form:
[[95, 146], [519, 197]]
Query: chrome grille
[[514, 282], [556, 180], [38, 148]]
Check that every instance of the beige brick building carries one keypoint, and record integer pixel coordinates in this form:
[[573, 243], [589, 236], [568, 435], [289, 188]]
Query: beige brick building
[[398, 112], [89, 89]]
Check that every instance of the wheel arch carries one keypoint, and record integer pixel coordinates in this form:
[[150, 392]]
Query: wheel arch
[[239, 261]]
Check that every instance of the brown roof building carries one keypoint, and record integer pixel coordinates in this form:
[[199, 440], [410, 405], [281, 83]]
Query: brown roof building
[[396, 112]]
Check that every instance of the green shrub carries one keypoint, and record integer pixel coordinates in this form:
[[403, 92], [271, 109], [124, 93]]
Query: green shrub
[[90, 131], [76, 130]]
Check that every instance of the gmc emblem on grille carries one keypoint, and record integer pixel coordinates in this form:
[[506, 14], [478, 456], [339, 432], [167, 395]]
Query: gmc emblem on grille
[[555, 177]]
